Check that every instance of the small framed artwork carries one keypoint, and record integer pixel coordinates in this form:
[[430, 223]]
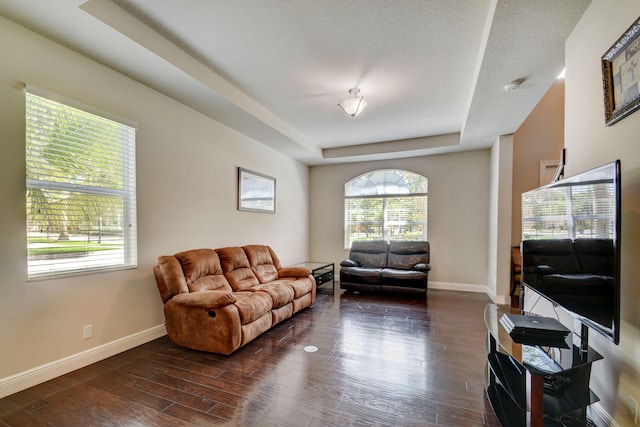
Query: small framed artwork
[[621, 76], [256, 191]]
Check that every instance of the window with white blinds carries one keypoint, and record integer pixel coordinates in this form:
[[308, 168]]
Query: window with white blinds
[[583, 210], [81, 190], [385, 204]]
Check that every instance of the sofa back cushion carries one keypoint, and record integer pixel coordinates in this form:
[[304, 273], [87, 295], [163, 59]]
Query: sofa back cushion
[[236, 268], [263, 261], [405, 255], [369, 254], [169, 277], [557, 254], [596, 256], [202, 270]]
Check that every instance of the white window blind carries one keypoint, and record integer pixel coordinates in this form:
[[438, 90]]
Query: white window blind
[[569, 212], [81, 182], [386, 204]]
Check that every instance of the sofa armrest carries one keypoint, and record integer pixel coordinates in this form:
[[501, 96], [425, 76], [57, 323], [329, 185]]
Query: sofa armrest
[[422, 267], [293, 272], [539, 269], [349, 263], [205, 299]]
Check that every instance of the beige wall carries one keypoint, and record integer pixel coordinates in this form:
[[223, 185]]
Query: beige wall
[[499, 248], [457, 219], [539, 138], [590, 143], [186, 167]]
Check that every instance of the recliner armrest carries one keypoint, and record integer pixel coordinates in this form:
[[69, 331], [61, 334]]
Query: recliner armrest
[[205, 299], [293, 272], [422, 267], [539, 269], [349, 263]]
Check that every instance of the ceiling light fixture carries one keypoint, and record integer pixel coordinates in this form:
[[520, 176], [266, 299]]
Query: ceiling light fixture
[[354, 104]]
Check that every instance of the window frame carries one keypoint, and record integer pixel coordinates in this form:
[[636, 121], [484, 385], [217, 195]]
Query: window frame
[[125, 196], [383, 223]]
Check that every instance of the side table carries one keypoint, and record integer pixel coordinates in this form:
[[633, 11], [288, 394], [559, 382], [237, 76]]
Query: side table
[[322, 271]]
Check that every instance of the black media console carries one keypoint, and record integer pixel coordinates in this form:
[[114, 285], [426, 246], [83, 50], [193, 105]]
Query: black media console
[[537, 385]]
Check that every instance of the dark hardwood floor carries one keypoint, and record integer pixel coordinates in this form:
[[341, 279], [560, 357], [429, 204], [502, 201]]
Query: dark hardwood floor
[[381, 361]]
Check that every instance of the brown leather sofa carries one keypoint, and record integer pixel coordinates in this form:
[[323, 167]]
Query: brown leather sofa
[[398, 266], [217, 300]]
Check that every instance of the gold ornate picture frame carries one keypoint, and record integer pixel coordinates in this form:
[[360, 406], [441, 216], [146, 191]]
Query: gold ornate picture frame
[[621, 76]]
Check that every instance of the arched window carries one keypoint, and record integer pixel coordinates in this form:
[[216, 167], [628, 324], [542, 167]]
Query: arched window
[[385, 204]]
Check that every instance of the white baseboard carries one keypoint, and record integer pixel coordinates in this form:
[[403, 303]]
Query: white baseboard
[[465, 287], [604, 415], [48, 371]]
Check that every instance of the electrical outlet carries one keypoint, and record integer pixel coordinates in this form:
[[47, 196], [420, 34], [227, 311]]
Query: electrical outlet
[[632, 409], [87, 332]]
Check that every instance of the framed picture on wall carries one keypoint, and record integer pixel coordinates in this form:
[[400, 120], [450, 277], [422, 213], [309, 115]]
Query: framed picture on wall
[[256, 191], [621, 76]]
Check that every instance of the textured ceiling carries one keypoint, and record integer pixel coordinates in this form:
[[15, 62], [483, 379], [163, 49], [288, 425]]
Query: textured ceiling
[[433, 71]]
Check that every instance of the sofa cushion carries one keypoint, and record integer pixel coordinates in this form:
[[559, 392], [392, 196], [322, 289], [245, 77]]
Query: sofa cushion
[[236, 268], [205, 299], [369, 254], [404, 278], [566, 284], [280, 293], [251, 330], [557, 254], [300, 285], [279, 314], [169, 277], [405, 255], [262, 262], [252, 305], [360, 275], [304, 301], [295, 272], [202, 270], [596, 256]]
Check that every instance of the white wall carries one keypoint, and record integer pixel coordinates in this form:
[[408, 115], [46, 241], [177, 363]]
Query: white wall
[[457, 218], [499, 245], [186, 168], [589, 143]]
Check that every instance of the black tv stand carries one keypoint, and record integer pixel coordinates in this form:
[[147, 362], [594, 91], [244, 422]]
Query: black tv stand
[[536, 386], [584, 339]]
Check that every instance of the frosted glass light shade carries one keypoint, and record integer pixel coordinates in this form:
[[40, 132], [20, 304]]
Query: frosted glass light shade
[[355, 104]]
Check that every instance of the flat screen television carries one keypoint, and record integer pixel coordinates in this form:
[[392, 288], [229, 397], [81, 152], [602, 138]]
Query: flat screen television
[[571, 246]]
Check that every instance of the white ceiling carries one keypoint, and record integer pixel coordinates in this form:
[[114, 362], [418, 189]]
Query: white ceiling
[[433, 71]]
